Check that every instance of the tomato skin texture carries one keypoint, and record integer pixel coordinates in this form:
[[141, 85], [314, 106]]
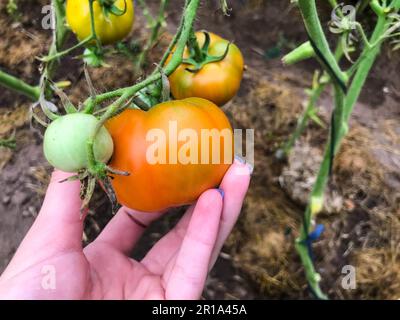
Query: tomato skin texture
[[109, 29], [65, 140], [156, 187], [218, 81]]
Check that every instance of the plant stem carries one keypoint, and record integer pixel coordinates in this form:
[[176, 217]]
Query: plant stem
[[59, 38], [146, 12], [129, 92], [155, 29], [314, 29], [67, 51], [316, 91], [343, 109], [93, 24], [18, 85], [194, 47], [303, 121], [174, 40], [364, 68]]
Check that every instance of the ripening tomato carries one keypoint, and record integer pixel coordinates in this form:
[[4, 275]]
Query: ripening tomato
[[216, 81], [65, 140], [173, 152], [109, 27]]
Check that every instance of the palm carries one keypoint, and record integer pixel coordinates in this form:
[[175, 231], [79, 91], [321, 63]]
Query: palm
[[51, 263]]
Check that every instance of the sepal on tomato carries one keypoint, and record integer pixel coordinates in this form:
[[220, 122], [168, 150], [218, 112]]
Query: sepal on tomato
[[93, 58], [205, 58]]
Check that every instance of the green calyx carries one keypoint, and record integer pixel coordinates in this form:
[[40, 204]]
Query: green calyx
[[109, 7], [94, 57], [154, 94], [199, 57]]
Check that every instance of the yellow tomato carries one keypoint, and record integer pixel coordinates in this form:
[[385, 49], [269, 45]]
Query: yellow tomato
[[110, 28]]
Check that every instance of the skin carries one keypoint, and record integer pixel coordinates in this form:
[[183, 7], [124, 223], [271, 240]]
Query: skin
[[144, 189], [218, 81], [175, 268], [108, 29]]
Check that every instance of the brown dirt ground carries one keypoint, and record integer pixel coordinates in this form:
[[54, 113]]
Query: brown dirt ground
[[361, 215]]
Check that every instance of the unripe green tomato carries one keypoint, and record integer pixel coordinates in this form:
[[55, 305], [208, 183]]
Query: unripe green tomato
[[65, 142]]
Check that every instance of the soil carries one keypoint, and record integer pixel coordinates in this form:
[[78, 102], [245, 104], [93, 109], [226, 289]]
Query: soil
[[361, 215]]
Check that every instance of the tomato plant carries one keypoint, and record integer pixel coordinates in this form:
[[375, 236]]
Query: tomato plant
[[217, 80], [184, 173], [112, 20], [199, 66], [346, 87], [65, 142]]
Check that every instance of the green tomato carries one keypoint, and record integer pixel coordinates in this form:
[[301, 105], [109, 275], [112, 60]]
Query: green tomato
[[65, 142]]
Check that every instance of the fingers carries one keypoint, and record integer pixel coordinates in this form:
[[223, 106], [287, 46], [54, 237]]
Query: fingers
[[187, 277], [235, 185], [58, 227], [59, 221], [167, 247], [125, 229]]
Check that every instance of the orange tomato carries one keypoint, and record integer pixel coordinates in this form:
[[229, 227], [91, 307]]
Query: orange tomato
[[217, 81], [173, 152]]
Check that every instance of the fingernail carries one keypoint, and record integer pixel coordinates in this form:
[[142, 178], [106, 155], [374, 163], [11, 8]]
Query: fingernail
[[242, 161], [250, 167], [221, 192]]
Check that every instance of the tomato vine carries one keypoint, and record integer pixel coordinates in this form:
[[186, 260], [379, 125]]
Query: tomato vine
[[123, 97], [347, 86]]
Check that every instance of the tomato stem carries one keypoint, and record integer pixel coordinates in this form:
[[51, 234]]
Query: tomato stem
[[318, 40], [303, 121], [344, 101], [67, 51], [50, 66], [199, 57], [175, 39], [19, 86], [155, 25], [318, 87], [93, 25], [195, 51], [59, 37], [129, 92]]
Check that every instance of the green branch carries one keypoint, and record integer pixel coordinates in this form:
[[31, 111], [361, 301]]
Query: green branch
[[316, 91], [344, 104], [156, 25], [19, 86], [318, 40], [128, 93], [318, 87]]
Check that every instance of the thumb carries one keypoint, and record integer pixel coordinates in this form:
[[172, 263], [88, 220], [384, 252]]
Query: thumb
[[58, 225]]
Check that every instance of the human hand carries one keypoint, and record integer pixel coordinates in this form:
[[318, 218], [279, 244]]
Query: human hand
[[52, 264]]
